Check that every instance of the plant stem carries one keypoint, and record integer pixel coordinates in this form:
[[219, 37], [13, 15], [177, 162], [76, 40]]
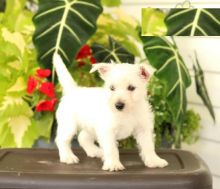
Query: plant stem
[[177, 136], [27, 98]]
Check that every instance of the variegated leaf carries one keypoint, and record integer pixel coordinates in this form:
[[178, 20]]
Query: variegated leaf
[[15, 116], [7, 139], [10, 105], [153, 22], [18, 126]]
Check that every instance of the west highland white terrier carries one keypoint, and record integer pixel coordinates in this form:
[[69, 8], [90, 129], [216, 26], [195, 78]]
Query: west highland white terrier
[[105, 115]]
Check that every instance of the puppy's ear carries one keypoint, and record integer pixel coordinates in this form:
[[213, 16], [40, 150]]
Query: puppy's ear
[[103, 69], [145, 71]]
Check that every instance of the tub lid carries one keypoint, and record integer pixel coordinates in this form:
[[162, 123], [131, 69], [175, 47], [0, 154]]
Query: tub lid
[[40, 168]]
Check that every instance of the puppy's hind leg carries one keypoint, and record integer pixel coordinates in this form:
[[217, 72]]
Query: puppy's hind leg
[[86, 140], [66, 129]]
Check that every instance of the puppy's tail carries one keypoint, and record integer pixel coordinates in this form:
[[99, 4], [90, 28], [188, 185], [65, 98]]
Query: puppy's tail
[[63, 74]]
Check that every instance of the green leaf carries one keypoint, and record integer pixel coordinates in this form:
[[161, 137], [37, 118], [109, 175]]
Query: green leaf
[[120, 26], [17, 62], [12, 13], [153, 22], [193, 22], [190, 127], [201, 87], [16, 114], [7, 138], [12, 130], [44, 123], [10, 56], [18, 126], [170, 68], [40, 127], [64, 26], [13, 107], [10, 41], [115, 52], [111, 3], [18, 87]]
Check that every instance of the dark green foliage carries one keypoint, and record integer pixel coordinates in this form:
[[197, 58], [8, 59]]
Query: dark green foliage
[[2, 5], [201, 87], [165, 128], [63, 27], [193, 22], [114, 52]]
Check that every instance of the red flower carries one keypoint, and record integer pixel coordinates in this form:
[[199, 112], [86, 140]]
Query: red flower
[[84, 52], [46, 105], [48, 89], [85, 55], [42, 73], [93, 60], [31, 85]]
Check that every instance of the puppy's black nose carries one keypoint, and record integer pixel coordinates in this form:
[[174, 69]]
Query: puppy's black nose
[[119, 106]]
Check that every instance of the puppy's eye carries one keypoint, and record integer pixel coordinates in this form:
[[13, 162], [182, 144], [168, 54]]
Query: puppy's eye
[[131, 88], [112, 88]]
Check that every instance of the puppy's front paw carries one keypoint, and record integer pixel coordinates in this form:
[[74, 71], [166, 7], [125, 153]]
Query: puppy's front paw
[[69, 158], [155, 161], [112, 166]]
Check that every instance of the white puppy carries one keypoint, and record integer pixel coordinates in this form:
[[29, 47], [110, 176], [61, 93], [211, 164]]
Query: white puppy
[[106, 115]]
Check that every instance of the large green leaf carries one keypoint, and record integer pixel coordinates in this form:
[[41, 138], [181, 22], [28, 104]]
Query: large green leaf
[[115, 52], [64, 26], [170, 68], [201, 87], [193, 22]]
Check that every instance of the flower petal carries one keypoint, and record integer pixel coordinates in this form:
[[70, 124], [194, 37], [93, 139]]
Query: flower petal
[[46, 105], [84, 52], [48, 89], [43, 73], [31, 85]]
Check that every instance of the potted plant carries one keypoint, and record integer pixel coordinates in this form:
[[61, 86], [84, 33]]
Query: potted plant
[[83, 35]]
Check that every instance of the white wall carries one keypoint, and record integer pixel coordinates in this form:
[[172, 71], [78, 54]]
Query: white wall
[[171, 3], [208, 147], [208, 50]]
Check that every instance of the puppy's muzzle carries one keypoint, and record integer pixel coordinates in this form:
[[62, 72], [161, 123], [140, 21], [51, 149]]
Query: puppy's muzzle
[[119, 106]]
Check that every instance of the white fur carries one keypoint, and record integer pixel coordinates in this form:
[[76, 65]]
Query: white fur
[[92, 113]]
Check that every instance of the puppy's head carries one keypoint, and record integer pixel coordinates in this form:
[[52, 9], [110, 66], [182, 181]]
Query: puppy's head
[[126, 84]]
